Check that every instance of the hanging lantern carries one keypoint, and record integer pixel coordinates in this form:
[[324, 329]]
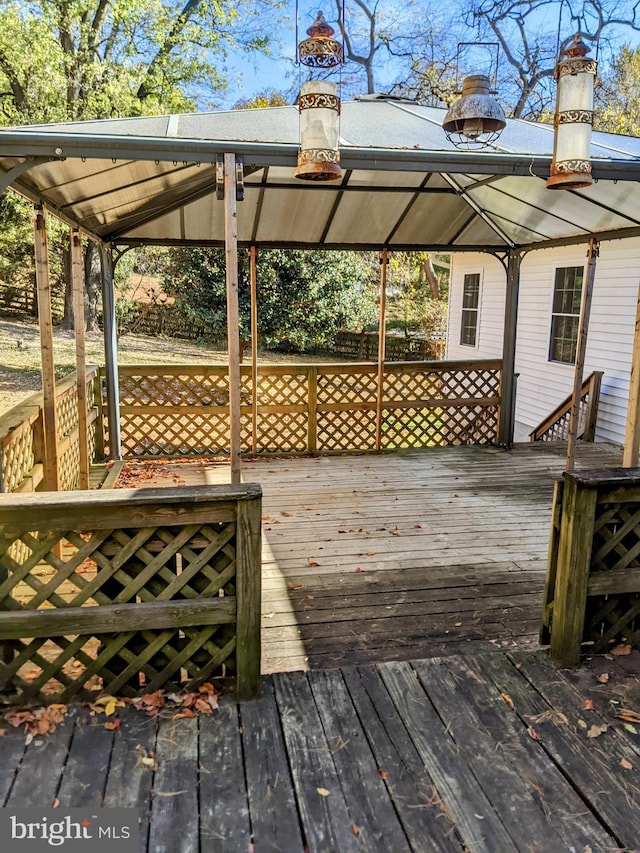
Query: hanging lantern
[[575, 75], [320, 50], [476, 119], [319, 156]]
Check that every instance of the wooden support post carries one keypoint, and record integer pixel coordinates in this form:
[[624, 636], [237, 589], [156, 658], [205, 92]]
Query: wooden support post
[[248, 596], [312, 414], [581, 351], [632, 432], [506, 425], [111, 353], [381, 345], [43, 284], [253, 253], [572, 571], [233, 322], [77, 281]]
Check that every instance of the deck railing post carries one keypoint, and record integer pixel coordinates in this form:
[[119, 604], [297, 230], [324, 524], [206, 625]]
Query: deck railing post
[[97, 402], [312, 402], [111, 352], [572, 571], [381, 346], [233, 332], [77, 281], [248, 595]]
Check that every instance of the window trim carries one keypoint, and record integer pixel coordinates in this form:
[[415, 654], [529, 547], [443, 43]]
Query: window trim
[[475, 310]]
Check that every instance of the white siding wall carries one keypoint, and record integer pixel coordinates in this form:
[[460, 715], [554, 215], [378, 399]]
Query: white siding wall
[[543, 384]]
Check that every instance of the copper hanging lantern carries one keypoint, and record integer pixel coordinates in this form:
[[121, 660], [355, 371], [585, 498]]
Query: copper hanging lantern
[[319, 107], [476, 119], [575, 75]]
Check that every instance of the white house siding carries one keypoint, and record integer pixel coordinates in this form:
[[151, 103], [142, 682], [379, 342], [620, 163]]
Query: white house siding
[[542, 384]]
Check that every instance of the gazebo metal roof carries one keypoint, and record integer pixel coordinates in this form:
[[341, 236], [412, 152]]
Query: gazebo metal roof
[[152, 180]]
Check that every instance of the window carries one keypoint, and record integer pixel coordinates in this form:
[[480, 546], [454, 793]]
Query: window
[[470, 297], [565, 316]]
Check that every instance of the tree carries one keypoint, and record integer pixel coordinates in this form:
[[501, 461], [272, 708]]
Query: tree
[[415, 290], [304, 297], [617, 105], [67, 60]]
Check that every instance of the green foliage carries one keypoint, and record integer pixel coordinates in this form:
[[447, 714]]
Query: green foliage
[[412, 306], [303, 297], [617, 104]]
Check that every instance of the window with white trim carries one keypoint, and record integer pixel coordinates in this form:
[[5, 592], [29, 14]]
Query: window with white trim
[[565, 314], [470, 305]]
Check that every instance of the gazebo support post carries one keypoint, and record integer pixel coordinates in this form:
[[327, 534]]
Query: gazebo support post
[[45, 319], [77, 282], [111, 352], [381, 345], [632, 432], [581, 351], [506, 426], [253, 254], [233, 314]]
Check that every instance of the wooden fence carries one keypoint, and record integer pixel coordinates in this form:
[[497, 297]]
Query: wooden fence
[[129, 591], [363, 346], [22, 442], [592, 592], [330, 408]]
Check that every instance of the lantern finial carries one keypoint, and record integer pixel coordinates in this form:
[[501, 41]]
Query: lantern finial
[[320, 50]]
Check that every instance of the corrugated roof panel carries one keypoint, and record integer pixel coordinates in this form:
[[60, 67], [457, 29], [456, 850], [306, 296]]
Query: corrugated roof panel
[[367, 217], [294, 216], [434, 220]]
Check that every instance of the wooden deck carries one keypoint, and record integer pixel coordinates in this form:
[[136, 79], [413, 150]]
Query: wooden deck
[[400, 556], [483, 754]]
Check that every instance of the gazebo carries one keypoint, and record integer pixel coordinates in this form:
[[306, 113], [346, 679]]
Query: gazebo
[[227, 179]]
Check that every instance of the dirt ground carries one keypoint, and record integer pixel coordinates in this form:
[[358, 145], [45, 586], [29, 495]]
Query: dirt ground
[[20, 356]]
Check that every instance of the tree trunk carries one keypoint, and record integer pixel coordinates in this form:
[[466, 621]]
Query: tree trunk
[[432, 278], [67, 317], [92, 286]]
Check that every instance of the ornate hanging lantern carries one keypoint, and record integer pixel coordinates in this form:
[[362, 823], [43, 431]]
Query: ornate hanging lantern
[[319, 156], [476, 119], [319, 107], [320, 50], [575, 75]]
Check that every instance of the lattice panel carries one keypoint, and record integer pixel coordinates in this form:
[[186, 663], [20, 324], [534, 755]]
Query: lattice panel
[[124, 567], [174, 389], [355, 430], [69, 468], [18, 458], [347, 388], [439, 427], [446, 384], [615, 548], [283, 390], [175, 434], [282, 433], [67, 412]]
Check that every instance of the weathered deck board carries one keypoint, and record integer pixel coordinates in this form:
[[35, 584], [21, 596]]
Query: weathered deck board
[[376, 558], [422, 756]]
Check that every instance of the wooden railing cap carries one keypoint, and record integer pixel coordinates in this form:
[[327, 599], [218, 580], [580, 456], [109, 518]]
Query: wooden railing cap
[[604, 477]]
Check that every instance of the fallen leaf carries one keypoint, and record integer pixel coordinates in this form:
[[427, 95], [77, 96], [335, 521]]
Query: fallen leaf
[[603, 678], [628, 716], [312, 563], [582, 724], [55, 804], [355, 829], [622, 649], [631, 728], [187, 714], [308, 598], [113, 725], [323, 792], [506, 698], [294, 585], [110, 707], [588, 705], [418, 526], [626, 764], [358, 569], [286, 514], [532, 733], [383, 773], [596, 731], [457, 624]]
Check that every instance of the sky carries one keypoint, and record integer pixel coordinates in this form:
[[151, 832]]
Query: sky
[[250, 74]]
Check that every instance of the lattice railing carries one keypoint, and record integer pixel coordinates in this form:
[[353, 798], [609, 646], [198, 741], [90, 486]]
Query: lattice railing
[[183, 411], [22, 444], [127, 591], [593, 578], [555, 427]]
